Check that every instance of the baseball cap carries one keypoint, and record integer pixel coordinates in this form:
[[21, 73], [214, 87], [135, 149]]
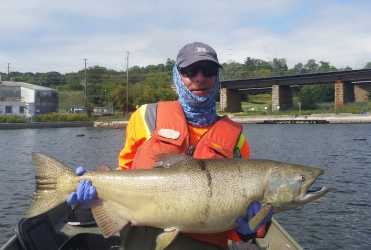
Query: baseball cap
[[194, 52]]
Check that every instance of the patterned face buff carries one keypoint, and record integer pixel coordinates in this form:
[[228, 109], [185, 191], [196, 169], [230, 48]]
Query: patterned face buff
[[199, 111]]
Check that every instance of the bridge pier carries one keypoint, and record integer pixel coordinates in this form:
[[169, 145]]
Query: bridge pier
[[344, 92], [281, 98], [362, 91], [230, 100]]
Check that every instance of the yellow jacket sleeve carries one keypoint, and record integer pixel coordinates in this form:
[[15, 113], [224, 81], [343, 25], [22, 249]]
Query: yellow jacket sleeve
[[244, 147], [136, 135]]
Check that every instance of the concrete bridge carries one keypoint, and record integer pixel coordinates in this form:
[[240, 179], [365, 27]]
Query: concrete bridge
[[350, 86]]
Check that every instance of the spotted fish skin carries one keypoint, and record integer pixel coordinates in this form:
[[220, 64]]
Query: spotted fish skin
[[179, 194]]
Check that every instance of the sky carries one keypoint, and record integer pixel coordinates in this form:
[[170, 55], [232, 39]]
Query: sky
[[42, 36]]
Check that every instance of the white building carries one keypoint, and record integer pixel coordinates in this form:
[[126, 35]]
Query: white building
[[27, 100]]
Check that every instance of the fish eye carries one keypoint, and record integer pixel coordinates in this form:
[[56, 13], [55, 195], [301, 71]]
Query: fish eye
[[302, 178]]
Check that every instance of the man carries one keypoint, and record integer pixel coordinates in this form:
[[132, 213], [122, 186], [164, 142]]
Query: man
[[187, 126]]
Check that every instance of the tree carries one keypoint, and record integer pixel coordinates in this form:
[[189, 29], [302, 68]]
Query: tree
[[157, 87], [96, 74], [30, 77], [169, 65], [52, 78], [279, 66], [253, 64], [368, 65], [297, 69], [74, 81], [250, 64], [309, 95], [259, 68], [346, 68], [136, 74], [15, 75], [261, 73], [119, 97], [324, 92], [311, 66], [233, 70], [326, 67]]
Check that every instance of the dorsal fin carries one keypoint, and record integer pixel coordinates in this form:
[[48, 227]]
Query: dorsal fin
[[170, 160]]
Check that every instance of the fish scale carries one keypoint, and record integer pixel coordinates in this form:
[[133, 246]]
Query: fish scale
[[180, 193]]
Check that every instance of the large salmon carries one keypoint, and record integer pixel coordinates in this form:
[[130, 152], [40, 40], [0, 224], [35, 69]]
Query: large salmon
[[180, 193]]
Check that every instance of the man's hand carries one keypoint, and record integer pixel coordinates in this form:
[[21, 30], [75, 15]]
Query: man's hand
[[80, 171], [244, 229], [85, 191]]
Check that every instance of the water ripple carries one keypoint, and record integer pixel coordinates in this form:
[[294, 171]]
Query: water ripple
[[339, 220]]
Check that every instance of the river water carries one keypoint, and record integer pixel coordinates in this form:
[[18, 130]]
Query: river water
[[339, 220]]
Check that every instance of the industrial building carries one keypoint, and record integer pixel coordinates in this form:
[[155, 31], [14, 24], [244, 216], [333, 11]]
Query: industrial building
[[26, 100]]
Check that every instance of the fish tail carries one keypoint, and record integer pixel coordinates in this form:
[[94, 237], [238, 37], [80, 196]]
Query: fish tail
[[54, 182]]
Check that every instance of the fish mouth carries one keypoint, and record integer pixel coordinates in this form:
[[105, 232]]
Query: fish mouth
[[318, 191], [313, 193]]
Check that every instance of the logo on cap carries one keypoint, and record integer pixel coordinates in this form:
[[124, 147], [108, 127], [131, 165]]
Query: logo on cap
[[199, 49]]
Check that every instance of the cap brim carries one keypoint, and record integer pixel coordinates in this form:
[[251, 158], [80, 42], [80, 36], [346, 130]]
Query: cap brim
[[190, 61]]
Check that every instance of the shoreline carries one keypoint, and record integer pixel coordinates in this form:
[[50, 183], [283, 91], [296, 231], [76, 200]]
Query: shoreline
[[38, 125], [303, 119], [269, 119]]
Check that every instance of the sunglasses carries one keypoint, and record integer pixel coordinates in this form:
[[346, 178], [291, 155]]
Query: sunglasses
[[192, 71]]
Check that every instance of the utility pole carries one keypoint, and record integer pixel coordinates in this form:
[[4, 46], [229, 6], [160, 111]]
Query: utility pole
[[85, 97], [127, 84]]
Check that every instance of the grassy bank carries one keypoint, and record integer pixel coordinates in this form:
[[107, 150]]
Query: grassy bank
[[58, 117], [258, 105], [11, 119], [326, 108], [261, 105]]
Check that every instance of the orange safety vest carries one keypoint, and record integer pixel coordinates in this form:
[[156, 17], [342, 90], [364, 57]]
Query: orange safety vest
[[170, 135]]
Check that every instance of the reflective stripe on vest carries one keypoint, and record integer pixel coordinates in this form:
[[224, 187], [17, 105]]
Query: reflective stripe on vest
[[150, 117]]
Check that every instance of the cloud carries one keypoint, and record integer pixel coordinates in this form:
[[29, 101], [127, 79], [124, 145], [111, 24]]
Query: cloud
[[41, 36]]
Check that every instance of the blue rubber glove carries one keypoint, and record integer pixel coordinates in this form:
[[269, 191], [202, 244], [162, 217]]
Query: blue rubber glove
[[85, 191], [81, 171], [252, 210]]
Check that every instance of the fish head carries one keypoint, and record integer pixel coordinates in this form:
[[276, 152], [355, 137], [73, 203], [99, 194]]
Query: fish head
[[288, 184]]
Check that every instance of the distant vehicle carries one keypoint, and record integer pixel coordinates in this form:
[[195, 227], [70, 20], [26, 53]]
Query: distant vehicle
[[79, 111]]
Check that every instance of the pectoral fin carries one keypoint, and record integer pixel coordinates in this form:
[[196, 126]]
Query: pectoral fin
[[164, 239], [107, 218], [259, 217]]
